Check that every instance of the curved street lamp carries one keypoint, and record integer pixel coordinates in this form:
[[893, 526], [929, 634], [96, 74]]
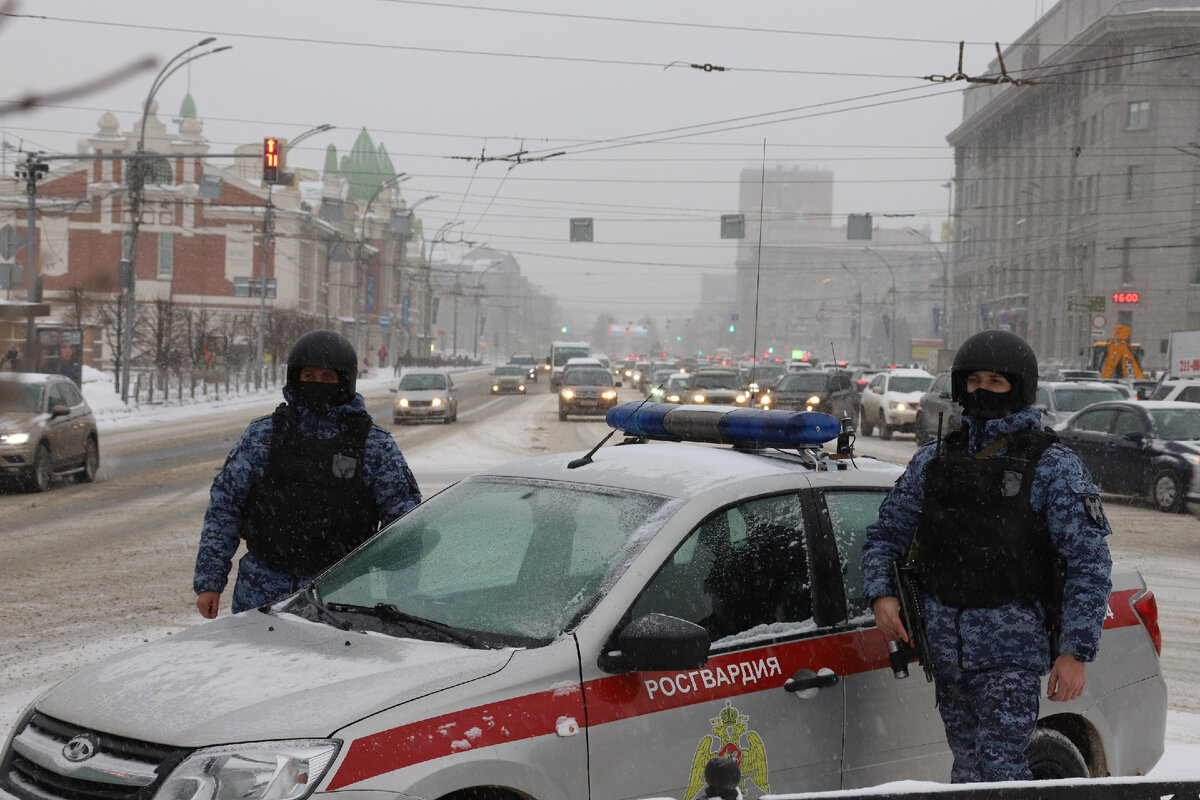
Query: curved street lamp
[[360, 264], [137, 176], [892, 326]]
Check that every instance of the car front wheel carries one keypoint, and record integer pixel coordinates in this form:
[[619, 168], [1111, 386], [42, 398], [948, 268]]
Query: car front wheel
[[885, 430], [40, 476], [919, 430], [1052, 756], [1166, 491], [864, 424], [91, 462]]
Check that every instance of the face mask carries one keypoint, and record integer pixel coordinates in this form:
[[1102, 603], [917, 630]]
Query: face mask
[[984, 405], [318, 396]]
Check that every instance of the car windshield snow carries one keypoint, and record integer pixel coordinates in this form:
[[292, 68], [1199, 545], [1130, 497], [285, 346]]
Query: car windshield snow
[[1072, 399], [1177, 424], [514, 562], [20, 397], [587, 377], [717, 381], [418, 382], [803, 382], [514, 370], [901, 383]]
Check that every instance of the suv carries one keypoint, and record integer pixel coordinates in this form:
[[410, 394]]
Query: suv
[[829, 391], [1060, 399], [933, 404], [719, 387], [46, 430], [518, 633], [529, 362], [1186, 390], [586, 390], [425, 394], [890, 401]]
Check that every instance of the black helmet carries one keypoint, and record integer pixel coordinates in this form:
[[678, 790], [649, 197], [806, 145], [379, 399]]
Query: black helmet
[[327, 350], [996, 351]]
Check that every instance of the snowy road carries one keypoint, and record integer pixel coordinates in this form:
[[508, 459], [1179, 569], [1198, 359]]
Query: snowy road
[[86, 570]]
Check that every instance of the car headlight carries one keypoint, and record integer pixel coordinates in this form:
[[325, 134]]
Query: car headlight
[[672, 398], [765, 400], [1193, 460], [656, 391], [402, 402], [285, 770], [14, 438], [815, 400], [437, 401], [697, 398], [896, 405], [741, 398], [521, 387], [495, 388], [567, 394], [609, 394], [752, 387]]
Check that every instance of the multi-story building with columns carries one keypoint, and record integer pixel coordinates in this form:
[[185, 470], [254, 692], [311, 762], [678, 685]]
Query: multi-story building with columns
[[1078, 193]]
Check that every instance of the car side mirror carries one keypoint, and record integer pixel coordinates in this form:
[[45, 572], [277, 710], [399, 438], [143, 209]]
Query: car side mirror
[[877, 389], [1135, 436], [392, 390], [657, 643], [59, 411]]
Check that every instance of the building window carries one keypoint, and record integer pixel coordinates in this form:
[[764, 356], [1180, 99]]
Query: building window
[[1139, 115], [1139, 61], [166, 255], [159, 172], [1127, 245], [1134, 177]]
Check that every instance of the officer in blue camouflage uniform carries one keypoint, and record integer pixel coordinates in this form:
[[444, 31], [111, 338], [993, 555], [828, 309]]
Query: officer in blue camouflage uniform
[[1011, 557], [303, 486]]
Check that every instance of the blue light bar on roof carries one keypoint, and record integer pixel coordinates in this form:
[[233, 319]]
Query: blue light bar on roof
[[746, 427]]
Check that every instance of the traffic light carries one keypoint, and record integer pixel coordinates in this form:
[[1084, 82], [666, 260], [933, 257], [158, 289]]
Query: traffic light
[[564, 328], [270, 160], [731, 328]]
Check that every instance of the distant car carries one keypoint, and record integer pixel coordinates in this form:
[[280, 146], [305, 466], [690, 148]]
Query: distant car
[[762, 377], [423, 395], [526, 360], [509, 379], [800, 366], [718, 387], [827, 390], [1145, 448], [1060, 399], [1074, 375], [862, 377], [47, 430], [658, 379], [933, 403], [676, 388], [586, 390], [1186, 390], [890, 401]]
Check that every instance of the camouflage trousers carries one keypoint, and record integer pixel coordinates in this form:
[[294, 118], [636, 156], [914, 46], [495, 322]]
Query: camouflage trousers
[[989, 716], [257, 584]]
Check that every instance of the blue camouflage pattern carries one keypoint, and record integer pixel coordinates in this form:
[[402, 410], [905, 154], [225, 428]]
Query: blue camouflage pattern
[[384, 469], [976, 650]]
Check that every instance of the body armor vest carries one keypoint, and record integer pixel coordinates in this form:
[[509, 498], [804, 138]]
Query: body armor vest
[[312, 505], [980, 543]]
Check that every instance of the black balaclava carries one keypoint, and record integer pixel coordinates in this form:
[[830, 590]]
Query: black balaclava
[[326, 350], [983, 405], [1004, 353]]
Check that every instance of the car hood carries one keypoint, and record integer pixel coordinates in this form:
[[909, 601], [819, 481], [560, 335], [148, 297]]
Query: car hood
[[905, 397], [1182, 447], [420, 394], [253, 676], [19, 420]]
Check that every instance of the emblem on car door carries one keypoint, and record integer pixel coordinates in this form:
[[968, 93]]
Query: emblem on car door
[[81, 748]]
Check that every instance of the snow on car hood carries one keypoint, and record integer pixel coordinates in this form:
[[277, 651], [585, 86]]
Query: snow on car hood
[[255, 677], [18, 420]]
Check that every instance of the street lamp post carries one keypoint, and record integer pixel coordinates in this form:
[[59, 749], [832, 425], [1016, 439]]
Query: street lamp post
[[892, 326], [440, 236], [945, 321], [398, 315], [137, 175], [858, 301], [391, 182], [267, 239]]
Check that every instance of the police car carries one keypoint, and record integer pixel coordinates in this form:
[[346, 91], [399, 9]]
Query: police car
[[579, 625]]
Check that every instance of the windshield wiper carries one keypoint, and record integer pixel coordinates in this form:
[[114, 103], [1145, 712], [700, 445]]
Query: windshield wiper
[[388, 612], [323, 614]]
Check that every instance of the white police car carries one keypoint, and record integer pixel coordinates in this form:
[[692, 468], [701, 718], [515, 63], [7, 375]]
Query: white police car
[[571, 626]]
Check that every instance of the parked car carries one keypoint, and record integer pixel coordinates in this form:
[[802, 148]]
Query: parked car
[[555, 633], [890, 401], [829, 391], [936, 405], [1060, 399], [47, 430], [586, 390], [509, 379], [425, 394], [1148, 448]]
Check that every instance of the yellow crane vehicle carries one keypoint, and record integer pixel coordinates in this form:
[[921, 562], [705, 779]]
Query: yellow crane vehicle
[[1117, 357]]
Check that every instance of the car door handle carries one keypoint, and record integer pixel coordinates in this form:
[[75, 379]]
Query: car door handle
[[804, 680]]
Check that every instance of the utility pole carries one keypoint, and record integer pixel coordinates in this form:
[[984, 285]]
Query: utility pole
[[33, 169]]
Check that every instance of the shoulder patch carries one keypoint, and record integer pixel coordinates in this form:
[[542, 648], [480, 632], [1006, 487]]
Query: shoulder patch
[[1094, 509]]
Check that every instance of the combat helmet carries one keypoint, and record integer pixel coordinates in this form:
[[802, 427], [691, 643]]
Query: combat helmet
[[327, 350], [996, 351]]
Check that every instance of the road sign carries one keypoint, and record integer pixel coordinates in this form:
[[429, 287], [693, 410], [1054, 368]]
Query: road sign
[[1099, 321], [10, 242], [385, 320], [1092, 303]]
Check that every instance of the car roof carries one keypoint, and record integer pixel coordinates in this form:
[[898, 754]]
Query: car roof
[[683, 470], [908, 372], [33, 377], [1180, 405], [1077, 384]]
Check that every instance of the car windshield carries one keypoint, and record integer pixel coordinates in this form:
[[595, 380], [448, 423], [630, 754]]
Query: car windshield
[[577, 376], [803, 382], [562, 354], [520, 560], [761, 373], [1181, 425], [1073, 399], [522, 360], [903, 383], [419, 381], [717, 380], [20, 397], [513, 370]]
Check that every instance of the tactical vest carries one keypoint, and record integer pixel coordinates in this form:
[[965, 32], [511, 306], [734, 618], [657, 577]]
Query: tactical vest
[[312, 505], [980, 543]]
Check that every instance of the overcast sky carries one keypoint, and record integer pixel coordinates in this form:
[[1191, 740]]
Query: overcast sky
[[653, 147]]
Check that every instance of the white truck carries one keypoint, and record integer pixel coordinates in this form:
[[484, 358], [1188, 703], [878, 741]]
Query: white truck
[[560, 352]]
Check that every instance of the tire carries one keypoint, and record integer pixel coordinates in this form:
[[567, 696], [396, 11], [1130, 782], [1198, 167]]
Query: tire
[[91, 462], [1053, 756], [919, 430], [41, 475], [562, 415], [1166, 491], [864, 425], [885, 430]]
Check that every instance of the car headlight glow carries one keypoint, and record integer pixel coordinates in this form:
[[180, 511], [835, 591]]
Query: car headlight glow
[[1194, 460], [741, 398], [765, 400], [609, 394], [697, 398], [495, 387], [521, 387], [567, 394], [815, 400], [283, 770], [672, 398], [14, 438], [402, 402], [437, 401], [896, 405]]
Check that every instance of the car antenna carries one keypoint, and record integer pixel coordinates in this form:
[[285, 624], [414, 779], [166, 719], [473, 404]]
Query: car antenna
[[846, 436], [584, 460]]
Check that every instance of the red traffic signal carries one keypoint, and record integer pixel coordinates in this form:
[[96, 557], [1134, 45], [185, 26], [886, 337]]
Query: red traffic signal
[[270, 160]]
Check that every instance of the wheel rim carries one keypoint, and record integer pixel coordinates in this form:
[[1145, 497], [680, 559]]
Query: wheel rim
[[91, 460], [1165, 491], [41, 469]]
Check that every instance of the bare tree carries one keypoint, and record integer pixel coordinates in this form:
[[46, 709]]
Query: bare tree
[[110, 316]]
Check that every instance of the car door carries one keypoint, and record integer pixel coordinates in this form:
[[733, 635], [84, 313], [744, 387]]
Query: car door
[[1126, 461], [65, 441], [742, 573], [892, 729], [1087, 435]]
